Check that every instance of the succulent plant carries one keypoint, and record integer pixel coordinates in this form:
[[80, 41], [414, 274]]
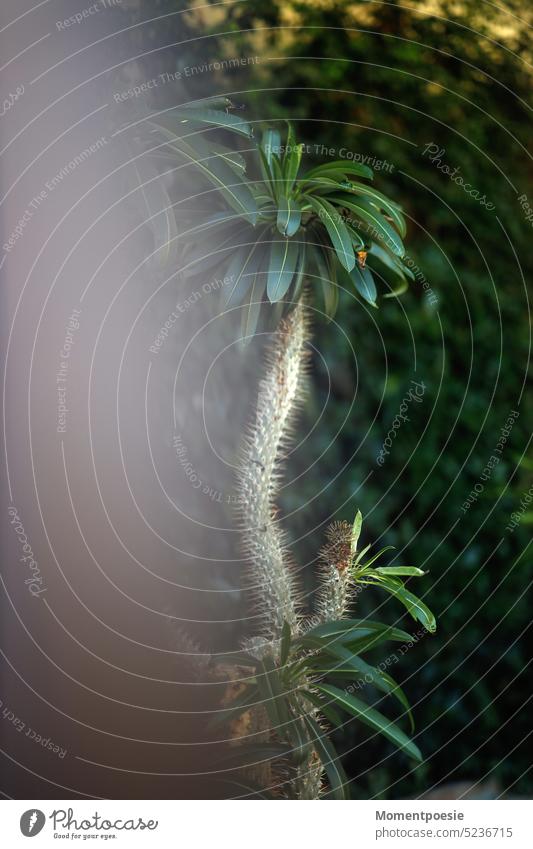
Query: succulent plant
[[277, 235]]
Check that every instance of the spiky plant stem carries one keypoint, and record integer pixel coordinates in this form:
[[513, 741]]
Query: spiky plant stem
[[271, 575], [271, 571]]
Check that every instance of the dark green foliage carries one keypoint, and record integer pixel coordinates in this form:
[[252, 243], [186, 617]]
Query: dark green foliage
[[277, 223]]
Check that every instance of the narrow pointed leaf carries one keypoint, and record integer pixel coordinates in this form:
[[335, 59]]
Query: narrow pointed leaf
[[282, 265], [359, 627], [364, 283], [398, 290], [369, 674], [414, 605], [356, 532], [277, 178], [331, 761], [210, 102], [383, 203], [160, 216], [234, 160], [390, 261], [291, 160], [337, 232], [241, 272], [266, 173], [213, 117], [289, 216], [300, 272], [371, 717], [273, 696], [343, 166], [238, 275], [219, 174], [379, 228], [270, 144], [400, 570], [377, 555], [252, 306]]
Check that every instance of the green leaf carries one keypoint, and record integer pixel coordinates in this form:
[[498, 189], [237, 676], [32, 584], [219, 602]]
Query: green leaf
[[282, 264], [252, 306], [391, 262], [377, 555], [364, 644], [407, 271], [211, 102], [160, 216], [343, 166], [356, 628], [364, 283], [391, 268], [415, 606], [326, 276], [338, 781], [340, 238], [362, 553], [219, 174], [300, 272], [371, 717], [234, 160], [273, 697], [356, 532], [365, 672], [400, 570], [239, 275], [398, 290], [291, 160], [241, 272], [200, 262], [357, 240], [323, 185], [277, 177], [357, 639], [380, 229], [289, 216], [382, 202], [226, 120], [270, 144], [266, 173], [359, 170], [399, 694], [312, 183]]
